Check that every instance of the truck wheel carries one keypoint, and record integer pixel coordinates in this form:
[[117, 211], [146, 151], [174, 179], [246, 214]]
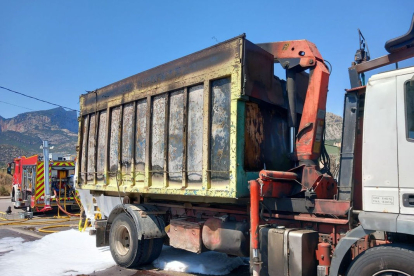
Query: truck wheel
[[125, 247], [392, 260], [154, 249]]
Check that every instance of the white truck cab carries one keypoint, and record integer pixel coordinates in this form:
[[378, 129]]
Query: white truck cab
[[388, 143]]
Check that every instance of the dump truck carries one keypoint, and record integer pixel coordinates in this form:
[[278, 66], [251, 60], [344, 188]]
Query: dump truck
[[213, 152], [28, 184]]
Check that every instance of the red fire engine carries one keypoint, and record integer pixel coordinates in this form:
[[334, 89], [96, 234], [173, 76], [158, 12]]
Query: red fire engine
[[29, 182]]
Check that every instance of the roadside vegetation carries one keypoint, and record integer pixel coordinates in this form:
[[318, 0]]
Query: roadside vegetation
[[5, 183]]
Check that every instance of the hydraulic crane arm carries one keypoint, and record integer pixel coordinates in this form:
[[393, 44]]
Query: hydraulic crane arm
[[296, 56]]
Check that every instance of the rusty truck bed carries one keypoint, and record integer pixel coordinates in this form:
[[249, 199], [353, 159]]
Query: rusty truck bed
[[201, 125]]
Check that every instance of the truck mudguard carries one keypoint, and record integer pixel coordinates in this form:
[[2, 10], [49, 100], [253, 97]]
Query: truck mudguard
[[149, 224], [344, 245]]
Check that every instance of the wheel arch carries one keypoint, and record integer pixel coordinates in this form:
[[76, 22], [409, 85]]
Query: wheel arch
[[343, 247], [366, 256], [370, 222], [149, 223]]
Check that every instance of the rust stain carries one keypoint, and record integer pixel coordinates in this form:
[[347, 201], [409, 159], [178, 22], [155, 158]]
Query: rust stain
[[254, 134]]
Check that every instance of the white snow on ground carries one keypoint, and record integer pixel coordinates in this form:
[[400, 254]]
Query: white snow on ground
[[64, 253], [8, 244], [210, 263], [72, 253]]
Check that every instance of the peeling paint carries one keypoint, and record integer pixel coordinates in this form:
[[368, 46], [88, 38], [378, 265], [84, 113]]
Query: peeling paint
[[91, 148], [127, 140], [195, 134], [84, 147], [179, 129], [140, 142], [220, 131], [100, 164], [158, 139], [114, 140], [175, 138]]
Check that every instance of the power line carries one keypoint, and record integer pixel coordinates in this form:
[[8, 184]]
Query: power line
[[36, 98], [17, 105]]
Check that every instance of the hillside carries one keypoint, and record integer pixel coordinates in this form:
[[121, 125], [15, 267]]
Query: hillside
[[333, 130], [23, 134], [5, 183]]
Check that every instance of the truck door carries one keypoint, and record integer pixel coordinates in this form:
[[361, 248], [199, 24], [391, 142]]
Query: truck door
[[405, 129]]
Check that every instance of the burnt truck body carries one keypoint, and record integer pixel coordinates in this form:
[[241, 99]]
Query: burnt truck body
[[213, 152], [200, 126], [177, 146]]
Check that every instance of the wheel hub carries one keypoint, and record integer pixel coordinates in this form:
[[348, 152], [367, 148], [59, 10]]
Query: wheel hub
[[122, 240]]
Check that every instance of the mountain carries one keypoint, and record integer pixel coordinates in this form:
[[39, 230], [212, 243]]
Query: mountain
[[23, 134], [333, 130]]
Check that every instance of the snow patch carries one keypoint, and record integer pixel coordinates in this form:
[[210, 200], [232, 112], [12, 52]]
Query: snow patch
[[210, 263], [64, 253], [8, 244]]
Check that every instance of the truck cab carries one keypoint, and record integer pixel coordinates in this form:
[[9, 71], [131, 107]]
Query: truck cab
[[388, 143]]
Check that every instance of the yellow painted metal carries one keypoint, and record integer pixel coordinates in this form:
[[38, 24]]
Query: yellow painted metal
[[229, 66]]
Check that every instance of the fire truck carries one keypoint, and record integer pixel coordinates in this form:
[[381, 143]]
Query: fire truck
[[213, 152], [29, 183]]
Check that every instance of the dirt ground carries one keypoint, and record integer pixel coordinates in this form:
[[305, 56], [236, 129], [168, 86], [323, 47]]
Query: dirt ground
[[5, 184]]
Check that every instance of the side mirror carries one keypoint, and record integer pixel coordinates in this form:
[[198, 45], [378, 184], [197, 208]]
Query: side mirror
[[9, 170]]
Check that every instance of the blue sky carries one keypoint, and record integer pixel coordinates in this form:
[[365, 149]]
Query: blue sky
[[55, 50]]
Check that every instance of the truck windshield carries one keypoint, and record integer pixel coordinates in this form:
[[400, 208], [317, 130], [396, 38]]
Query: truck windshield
[[409, 108]]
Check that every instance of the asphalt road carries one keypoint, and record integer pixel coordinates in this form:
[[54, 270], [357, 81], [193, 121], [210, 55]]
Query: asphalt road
[[31, 233], [4, 203]]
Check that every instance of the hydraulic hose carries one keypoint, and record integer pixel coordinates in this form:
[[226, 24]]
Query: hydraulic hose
[[254, 224], [31, 222], [52, 226], [63, 210]]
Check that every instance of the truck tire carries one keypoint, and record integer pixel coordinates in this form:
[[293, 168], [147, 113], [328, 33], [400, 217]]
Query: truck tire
[[126, 249], [154, 249], [388, 260]]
